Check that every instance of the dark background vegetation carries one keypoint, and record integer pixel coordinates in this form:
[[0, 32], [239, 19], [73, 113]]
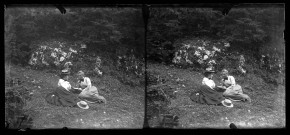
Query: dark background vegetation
[[252, 31], [108, 32], [102, 29]]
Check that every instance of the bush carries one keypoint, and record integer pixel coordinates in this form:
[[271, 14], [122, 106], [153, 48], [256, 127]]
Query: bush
[[15, 99], [199, 52]]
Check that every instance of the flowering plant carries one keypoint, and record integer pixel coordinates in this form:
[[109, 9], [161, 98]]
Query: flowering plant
[[202, 52], [53, 52]]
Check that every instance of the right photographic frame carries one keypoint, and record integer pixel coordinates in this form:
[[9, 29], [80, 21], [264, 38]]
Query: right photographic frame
[[218, 66]]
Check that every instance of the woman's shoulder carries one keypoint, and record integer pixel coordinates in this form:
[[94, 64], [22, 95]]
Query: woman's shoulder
[[231, 77], [60, 80], [87, 78]]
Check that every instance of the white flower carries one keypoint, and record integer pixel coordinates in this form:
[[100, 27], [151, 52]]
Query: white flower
[[227, 44], [242, 70], [64, 54], [61, 59], [187, 46], [44, 62], [83, 46], [178, 58], [98, 58], [56, 62], [67, 64], [212, 53], [43, 47], [205, 57], [212, 62], [216, 49], [187, 60], [199, 48], [53, 54], [197, 53], [32, 61], [209, 68], [207, 52], [72, 50], [68, 55], [200, 61], [56, 49]]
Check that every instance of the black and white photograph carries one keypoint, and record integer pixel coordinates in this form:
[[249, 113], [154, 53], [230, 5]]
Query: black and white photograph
[[68, 66], [219, 66], [145, 66]]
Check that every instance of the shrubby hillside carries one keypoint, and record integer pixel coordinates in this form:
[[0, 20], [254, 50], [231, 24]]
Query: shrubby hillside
[[184, 42], [193, 37], [106, 43]]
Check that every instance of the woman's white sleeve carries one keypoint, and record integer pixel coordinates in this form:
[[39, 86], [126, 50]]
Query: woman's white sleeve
[[88, 82], [65, 85], [232, 79], [68, 86]]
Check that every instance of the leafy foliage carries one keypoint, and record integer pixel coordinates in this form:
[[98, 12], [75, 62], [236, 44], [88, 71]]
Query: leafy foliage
[[102, 29], [252, 32], [243, 28], [199, 52], [15, 99]]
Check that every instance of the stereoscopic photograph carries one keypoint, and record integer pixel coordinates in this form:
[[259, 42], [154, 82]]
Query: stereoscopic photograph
[[219, 66], [74, 67], [196, 66]]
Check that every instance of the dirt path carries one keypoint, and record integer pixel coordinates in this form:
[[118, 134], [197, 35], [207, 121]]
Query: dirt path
[[125, 107], [266, 110]]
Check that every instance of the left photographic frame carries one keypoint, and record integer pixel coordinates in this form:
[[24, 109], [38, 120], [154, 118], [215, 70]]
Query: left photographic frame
[[79, 67]]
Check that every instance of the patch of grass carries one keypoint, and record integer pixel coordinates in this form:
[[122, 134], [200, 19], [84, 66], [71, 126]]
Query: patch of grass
[[261, 112], [124, 109]]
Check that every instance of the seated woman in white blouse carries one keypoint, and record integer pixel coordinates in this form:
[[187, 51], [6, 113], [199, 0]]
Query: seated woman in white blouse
[[208, 81], [89, 93], [207, 93], [63, 81], [62, 96]]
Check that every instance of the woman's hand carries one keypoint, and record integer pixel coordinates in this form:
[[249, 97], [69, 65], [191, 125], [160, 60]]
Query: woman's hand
[[77, 88]]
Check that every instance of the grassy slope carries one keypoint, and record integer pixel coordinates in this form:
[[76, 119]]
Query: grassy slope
[[125, 107], [267, 108]]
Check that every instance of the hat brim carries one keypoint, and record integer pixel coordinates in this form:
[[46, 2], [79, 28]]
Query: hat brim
[[210, 71], [65, 73], [230, 106], [86, 106], [235, 100]]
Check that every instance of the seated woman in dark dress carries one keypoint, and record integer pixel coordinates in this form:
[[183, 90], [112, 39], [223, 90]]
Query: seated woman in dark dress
[[207, 93], [62, 95]]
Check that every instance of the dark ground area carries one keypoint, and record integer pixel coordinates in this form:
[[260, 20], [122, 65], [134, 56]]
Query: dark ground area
[[124, 109], [267, 109]]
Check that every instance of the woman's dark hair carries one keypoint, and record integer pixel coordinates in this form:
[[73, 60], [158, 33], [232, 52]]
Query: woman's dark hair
[[206, 74], [62, 75]]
